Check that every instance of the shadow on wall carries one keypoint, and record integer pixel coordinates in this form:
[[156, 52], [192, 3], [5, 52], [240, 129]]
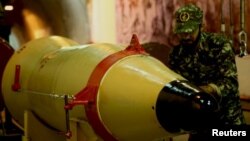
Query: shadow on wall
[[33, 19], [157, 50]]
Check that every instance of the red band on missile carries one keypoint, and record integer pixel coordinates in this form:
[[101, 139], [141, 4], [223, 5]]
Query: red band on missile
[[89, 94]]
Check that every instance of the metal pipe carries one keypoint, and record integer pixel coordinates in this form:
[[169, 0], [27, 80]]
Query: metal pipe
[[242, 14], [242, 33], [68, 133], [223, 29], [231, 22]]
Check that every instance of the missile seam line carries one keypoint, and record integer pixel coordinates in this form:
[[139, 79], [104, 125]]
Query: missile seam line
[[61, 96]]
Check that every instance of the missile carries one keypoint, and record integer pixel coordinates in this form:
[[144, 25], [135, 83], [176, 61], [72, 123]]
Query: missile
[[111, 92]]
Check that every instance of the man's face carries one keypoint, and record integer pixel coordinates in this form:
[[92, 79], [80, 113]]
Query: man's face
[[188, 39]]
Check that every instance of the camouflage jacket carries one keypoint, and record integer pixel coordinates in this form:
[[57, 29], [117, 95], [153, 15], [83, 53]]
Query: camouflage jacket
[[213, 61]]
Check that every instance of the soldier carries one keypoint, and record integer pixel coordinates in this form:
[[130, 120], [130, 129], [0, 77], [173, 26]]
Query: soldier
[[207, 60]]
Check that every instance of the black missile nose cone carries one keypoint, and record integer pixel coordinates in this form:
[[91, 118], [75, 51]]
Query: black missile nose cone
[[183, 106]]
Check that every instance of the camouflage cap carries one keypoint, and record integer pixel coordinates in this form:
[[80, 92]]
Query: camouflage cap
[[188, 18]]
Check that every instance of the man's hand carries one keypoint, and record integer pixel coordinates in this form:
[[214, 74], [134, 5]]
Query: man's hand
[[213, 90]]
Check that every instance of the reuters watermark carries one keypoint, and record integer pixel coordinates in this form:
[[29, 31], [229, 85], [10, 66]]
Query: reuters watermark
[[228, 133]]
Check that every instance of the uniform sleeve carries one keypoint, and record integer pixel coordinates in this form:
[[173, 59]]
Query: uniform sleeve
[[228, 81]]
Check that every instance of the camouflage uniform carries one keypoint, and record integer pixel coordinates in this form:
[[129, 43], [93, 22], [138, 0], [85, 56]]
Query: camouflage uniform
[[212, 62]]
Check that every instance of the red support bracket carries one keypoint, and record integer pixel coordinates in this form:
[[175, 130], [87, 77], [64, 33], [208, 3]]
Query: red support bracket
[[16, 86]]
